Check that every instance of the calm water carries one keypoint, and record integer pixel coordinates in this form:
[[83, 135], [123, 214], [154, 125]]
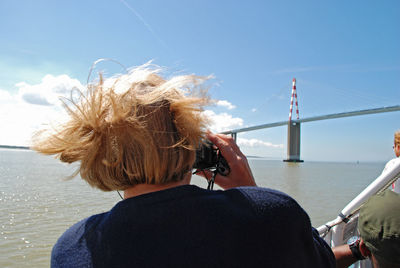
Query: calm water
[[37, 205]]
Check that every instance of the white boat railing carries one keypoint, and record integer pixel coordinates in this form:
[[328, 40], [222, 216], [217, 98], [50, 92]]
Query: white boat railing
[[378, 185], [339, 230]]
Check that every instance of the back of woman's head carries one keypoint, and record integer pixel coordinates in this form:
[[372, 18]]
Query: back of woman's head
[[132, 129]]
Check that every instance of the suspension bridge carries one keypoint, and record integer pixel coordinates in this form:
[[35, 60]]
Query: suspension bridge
[[293, 133]]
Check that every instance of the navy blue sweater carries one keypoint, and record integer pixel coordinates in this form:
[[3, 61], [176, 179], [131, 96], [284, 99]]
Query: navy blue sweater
[[188, 226]]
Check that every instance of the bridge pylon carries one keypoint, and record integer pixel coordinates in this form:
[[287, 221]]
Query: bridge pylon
[[293, 136]]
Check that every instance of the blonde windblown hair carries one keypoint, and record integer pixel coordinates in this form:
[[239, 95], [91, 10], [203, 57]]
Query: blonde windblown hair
[[397, 137], [138, 129]]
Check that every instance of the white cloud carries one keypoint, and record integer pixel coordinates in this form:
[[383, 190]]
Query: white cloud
[[254, 110], [49, 90], [20, 119], [5, 96], [32, 106], [256, 143], [226, 104], [223, 121]]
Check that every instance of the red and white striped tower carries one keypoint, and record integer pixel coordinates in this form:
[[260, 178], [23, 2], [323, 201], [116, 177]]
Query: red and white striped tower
[[294, 95], [293, 137]]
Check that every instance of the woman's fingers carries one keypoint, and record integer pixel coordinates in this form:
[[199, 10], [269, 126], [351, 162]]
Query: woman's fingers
[[224, 145], [240, 172]]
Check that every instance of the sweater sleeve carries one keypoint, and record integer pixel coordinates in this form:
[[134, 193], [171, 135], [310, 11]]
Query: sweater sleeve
[[71, 249], [327, 258]]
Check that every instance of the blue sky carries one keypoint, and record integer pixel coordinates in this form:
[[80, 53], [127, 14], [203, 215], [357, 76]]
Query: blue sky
[[344, 54]]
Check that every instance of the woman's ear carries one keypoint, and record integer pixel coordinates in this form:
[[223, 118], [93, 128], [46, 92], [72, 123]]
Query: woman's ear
[[364, 249]]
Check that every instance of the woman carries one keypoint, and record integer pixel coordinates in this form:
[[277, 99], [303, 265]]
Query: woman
[[139, 134]]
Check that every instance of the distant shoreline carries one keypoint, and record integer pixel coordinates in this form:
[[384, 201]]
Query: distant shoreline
[[250, 157], [14, 147]]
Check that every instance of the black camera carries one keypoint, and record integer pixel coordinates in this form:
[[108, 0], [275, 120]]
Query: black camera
[[208, 157]]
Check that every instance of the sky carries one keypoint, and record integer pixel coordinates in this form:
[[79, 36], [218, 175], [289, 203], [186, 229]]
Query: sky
[[344, 55]]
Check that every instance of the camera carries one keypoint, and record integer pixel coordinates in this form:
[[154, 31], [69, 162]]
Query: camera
[[208, 157]]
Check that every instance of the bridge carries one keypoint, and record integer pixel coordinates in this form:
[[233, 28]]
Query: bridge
[[293, 136]]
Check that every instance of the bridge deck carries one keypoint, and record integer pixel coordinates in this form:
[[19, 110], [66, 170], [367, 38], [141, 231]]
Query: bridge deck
[[317, 118]]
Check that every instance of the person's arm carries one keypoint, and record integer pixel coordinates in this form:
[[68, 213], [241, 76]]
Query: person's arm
[[240, 172], [343, 255], [346, 255]]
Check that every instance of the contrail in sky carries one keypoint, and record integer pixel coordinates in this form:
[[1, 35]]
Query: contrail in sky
[[144, 22]]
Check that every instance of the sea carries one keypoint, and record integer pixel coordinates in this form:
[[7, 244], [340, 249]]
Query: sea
[[38, 202]]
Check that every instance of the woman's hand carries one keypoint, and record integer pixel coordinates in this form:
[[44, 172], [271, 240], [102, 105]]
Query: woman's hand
[[240, 172]]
